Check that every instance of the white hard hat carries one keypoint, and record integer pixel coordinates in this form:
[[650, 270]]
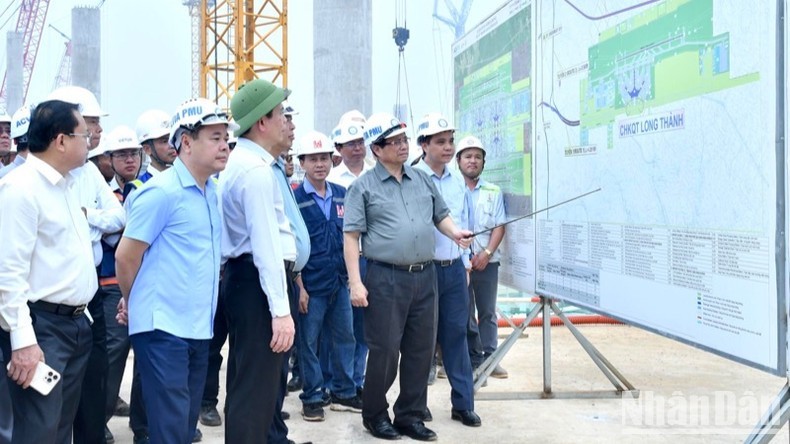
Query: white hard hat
[[121, 138], [195, 113], [231, 137], [289, 110], [20, 123], [470, 142], [99, 150], [382, 126], [13, 148], [314, 142], [433, 123], [5, 118], [152, 124], [89, 106], [347, 131], [353, 116]]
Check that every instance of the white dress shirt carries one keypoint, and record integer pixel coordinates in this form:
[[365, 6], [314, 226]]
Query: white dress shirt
[[254, 221], [105, 214], [342, 176], [46, 254]]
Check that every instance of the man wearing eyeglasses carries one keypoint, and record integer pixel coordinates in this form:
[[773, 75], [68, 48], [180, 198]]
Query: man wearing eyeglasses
[[5, 138], [48, 275], [394, 208]]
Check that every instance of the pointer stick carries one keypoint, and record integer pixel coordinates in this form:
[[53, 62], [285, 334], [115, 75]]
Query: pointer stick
[[536, 212]]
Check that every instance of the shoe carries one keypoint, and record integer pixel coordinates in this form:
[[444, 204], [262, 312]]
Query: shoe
[[467, 417], [326, 399], [499, 373], [359, 392], [353, 404], [295, 384], [441, 374], [198, 436], [141, 438], [285, 416], [418, 431], [381, 428], [209, 416], [432, 375], [121, 408], [108, 438], [313, 412], [426, 415]]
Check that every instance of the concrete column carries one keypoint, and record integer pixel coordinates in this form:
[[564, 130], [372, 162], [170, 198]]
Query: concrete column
[[14, 76], [86, 49], [342, 50]]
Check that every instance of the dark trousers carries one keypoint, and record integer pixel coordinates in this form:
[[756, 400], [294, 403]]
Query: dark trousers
[[482, 295], [252, 394], [90, 419], [6, 410], [66, 343], [453, 322], [173, 373], [400, 322], [138, 419], [211, 391], [117, 347], [278, 432]]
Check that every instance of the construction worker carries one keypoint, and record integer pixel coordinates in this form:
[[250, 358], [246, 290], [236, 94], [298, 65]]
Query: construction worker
[[5, 138], [102, 161], [324, 304], [394, 208], [436, 137], [48, 275], [20, 122], [105, 216], [349, 143], [174, 223], [153, 131], [488, 211], [259, 250]]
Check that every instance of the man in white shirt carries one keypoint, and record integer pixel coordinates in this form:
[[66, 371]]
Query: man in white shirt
[[259, 249], [47, 274], [105, 216]]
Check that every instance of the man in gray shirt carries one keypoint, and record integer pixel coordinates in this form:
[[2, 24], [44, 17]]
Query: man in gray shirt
[[394, 209]]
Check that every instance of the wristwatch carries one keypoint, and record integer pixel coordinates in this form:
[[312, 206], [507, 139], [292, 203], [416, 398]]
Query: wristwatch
[[488, 252]]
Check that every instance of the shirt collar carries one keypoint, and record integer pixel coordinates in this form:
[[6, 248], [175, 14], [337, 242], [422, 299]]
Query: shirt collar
[[152, 171], [50, 174], [114, 184], [19, 160], [427, 168], [183, 174], [253, 148], [310, 189]]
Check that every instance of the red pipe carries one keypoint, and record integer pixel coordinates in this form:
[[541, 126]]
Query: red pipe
[[577, 319]]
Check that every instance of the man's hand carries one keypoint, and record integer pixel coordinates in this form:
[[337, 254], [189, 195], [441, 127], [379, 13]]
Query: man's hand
[[123, 314], [480, 261], [304, 299], [282, 334], [463, 238], [359, 295], [23, 364]]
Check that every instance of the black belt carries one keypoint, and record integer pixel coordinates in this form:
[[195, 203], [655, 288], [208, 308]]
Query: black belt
[[445, 263], [411, 268], [289, 265], [59, 309]]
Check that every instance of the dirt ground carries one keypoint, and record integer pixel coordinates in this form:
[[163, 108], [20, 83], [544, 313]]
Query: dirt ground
[[686, 396]]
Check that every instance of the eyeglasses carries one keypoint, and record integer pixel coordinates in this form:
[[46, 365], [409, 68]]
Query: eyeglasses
[[354, 143], [402, 141], [5, 129], [287, 157], [125, 154], [87, 136]]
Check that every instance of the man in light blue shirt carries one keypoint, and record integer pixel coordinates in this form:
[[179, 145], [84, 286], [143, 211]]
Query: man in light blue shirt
[[436, 137], [167, 265]]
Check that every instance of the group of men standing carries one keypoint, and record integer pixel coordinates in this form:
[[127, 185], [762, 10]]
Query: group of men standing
[[90, 269]]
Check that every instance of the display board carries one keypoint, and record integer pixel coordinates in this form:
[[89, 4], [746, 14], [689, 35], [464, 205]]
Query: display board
[[673, 109]]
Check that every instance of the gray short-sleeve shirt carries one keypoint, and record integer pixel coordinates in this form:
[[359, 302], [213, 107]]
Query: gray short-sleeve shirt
[[396, 219]]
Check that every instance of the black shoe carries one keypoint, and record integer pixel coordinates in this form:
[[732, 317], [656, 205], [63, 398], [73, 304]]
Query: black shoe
[[121, 408], [381, 428], [295, 383], [426, 415], [353, 404], [141, 438], [313, 412], [108, 438], [326, 399], [418, 431], [285, 416], [209, 416], [467, 417], [198, 436]]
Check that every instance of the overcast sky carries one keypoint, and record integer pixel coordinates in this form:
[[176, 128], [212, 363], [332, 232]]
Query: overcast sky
[[146, 55]]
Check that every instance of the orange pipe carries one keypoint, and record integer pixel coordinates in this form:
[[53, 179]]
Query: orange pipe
[[579, 319]]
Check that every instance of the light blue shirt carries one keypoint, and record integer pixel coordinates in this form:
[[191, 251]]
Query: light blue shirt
[[488, 210], [453, 190], [176, 288], [18, 161], [324, 203], [298, 227]]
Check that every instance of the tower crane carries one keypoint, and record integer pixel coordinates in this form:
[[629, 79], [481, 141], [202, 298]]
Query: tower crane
[[64, 71]]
